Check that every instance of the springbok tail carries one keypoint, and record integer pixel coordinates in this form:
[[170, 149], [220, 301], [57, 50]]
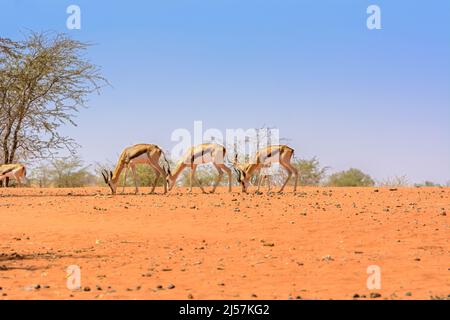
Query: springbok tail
[[292, 152]]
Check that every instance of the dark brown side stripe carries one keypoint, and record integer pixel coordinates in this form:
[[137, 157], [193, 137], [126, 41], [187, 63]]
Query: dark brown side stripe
[[270, 154], [200, 154], [136, 154], [7, 171]]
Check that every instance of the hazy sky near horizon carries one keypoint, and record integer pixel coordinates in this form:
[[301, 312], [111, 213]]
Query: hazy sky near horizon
[[378, 100]]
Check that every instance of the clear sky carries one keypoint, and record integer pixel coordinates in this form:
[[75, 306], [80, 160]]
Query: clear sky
[[378, 100]]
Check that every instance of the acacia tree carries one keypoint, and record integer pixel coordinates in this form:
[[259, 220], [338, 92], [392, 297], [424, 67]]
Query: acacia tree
[[44, 81]]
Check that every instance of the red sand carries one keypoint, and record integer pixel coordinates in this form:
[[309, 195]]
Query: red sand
[[316, 244]]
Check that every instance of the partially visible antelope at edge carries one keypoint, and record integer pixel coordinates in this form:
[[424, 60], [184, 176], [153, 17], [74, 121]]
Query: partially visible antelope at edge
[[202, 154], [15, 170], [281, 154], [138, 154]]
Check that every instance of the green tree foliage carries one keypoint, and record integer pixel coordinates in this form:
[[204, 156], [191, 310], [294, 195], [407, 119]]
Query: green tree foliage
[[350, 178], [311, 173]]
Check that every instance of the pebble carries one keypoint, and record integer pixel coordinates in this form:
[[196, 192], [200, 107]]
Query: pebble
[[32, 287]]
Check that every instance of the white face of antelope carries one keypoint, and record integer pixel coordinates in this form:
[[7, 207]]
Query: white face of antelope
[[107, 176], [170, 182]]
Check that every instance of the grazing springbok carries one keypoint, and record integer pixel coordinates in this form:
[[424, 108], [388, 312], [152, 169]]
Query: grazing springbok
[[140, 153], [202, 154], [15, 170], [281, 154]]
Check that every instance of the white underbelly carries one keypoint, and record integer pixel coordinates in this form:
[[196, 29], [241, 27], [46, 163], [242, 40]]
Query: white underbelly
[[270, 169], [143, 158], [207, 158]]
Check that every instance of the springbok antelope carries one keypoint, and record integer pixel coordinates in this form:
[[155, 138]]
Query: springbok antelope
[[272, 154], [16, 171], [140, 153], [202, 154]]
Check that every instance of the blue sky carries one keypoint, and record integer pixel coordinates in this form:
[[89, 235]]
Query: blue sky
[[378, 100]]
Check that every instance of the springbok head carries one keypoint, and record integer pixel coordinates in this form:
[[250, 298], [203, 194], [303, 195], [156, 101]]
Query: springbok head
[[170, 179], [107, 176], [242, 178]]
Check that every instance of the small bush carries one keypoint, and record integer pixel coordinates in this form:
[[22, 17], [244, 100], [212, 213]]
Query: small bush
[[350, 178], [396, 181], [427, 184]]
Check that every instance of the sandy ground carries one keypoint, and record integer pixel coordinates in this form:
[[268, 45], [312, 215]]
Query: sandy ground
[[316, 244]]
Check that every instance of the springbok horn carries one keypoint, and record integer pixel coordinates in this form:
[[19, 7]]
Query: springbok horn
[[238, 173], [105, 177]]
